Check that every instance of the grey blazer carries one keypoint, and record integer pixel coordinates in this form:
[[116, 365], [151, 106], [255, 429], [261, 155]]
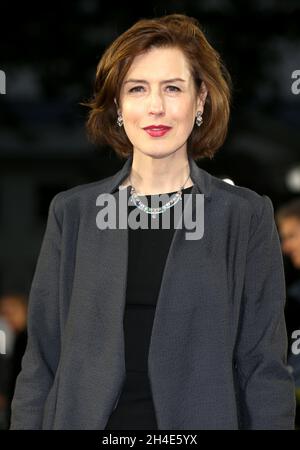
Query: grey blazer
[[217, 355]]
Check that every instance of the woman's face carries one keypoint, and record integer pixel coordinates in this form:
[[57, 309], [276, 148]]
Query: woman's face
[[152, 100]]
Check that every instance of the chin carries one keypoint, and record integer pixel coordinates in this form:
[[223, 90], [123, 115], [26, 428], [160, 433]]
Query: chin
[[158, 154]]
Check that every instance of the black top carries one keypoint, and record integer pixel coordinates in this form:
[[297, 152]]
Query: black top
[[147, 253]]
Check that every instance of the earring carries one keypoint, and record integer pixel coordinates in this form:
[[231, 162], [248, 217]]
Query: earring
[[120, 121], [199, 119]]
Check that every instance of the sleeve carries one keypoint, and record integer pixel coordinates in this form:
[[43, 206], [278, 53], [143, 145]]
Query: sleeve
[[266, 392], [41, 355]]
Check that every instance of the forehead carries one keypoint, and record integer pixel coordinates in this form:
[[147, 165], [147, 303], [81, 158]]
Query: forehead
[[159, 63]]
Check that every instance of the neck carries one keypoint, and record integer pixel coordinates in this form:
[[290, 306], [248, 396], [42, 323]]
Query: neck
[[150, 176]]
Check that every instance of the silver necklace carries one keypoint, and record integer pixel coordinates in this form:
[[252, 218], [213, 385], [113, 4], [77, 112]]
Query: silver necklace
[[134, 198]]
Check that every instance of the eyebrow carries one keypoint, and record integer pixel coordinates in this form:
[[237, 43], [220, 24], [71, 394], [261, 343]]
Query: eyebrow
[[172, 80]]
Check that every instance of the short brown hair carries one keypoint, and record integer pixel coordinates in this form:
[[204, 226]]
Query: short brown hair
[[174, 30]]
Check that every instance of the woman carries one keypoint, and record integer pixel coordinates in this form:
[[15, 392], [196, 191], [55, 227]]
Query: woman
[[146, 328]]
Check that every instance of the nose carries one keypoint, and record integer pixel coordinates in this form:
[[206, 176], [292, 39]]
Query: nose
[[156, 103]]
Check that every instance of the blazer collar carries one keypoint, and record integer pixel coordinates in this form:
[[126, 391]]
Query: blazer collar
[[202, 180]]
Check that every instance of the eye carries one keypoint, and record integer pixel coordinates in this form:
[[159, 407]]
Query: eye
[[174, 87], [137, 88], [134, 89]]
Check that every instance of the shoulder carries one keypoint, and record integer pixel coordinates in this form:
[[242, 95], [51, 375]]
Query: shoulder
[[240, 199], [79, 196]]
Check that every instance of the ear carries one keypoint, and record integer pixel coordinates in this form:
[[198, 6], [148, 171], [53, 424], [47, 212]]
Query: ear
[[202, 97]]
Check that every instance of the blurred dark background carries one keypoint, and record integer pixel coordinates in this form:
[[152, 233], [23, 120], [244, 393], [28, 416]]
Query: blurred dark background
[[49, 53]]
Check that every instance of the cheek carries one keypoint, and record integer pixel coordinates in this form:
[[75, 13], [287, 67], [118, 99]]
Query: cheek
[[132, 111], [183, 112], [134, 120]]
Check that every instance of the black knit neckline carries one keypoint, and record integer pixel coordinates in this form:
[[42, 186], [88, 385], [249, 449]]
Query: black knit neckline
[[185, 190]]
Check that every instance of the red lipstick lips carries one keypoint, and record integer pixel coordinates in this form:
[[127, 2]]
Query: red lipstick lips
[[157, 130]]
